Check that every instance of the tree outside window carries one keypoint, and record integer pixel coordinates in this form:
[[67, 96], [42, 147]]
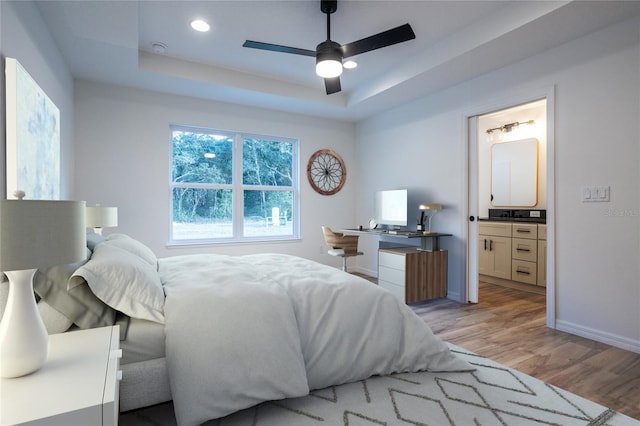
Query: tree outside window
[[232, 187]]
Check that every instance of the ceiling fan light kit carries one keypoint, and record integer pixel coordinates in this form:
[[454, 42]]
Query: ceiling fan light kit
[[329, 59], [329, 54]]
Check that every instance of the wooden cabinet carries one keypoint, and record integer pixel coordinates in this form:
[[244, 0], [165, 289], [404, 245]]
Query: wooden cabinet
[[524, 253], [411, 274], [513, 251], [494, 251], [77, 385], [542, 255]]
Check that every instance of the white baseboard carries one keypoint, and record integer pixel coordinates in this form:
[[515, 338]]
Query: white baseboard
[[455, 296], [364, 271], [599, 336]]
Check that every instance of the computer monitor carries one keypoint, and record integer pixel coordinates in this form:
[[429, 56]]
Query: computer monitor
[[390, 207]]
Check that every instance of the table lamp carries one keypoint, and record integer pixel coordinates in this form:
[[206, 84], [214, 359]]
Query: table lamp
[[429, 209], [33, 234], [99, 217]]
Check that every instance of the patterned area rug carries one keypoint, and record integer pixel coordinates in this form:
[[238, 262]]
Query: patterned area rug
[[492, 395]]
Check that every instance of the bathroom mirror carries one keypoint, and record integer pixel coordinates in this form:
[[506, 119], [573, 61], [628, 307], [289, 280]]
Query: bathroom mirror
[[514, 173]]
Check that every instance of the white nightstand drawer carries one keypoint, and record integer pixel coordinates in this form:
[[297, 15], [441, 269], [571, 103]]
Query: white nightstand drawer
[[72, 387], [110, 400]]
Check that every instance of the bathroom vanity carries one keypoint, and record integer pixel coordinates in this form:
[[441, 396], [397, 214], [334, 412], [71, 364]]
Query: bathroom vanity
[[512, 248]]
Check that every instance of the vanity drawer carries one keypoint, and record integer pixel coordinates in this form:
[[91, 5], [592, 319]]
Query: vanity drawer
[[524, 271], [524, 249], [525, 230], [499, 229]]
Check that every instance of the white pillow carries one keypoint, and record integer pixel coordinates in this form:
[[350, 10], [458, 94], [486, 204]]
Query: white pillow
[[125, 282], [133, 246]]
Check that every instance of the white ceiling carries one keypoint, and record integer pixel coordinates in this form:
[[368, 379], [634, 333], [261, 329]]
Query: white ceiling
[[110, 41]]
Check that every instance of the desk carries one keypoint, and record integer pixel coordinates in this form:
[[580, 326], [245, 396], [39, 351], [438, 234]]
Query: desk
[[428, 242], [411, 273]]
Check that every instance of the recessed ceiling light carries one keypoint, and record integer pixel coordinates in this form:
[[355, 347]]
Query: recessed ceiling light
[[200, 25], [350, 65]]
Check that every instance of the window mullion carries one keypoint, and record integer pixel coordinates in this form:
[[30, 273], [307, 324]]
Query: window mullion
[[238, 198]]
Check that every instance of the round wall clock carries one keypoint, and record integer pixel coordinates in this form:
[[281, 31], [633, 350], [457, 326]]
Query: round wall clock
[[326, 172]]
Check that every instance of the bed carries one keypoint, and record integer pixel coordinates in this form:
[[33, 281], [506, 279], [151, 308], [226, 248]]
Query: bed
[[277, 339]]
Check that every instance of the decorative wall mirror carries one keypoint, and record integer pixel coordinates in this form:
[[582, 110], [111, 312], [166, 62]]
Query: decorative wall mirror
[[514, 173]]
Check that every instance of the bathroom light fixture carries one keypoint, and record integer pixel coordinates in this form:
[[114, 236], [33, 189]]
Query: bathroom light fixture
[[509, 126], [200, 25]]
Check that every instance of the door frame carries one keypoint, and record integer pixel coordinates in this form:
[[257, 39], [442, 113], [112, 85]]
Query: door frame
[[470, 192]]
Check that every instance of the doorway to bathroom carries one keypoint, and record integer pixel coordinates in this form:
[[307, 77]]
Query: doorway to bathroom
[[510, 186]]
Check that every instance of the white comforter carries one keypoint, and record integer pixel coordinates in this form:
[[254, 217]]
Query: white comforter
[[241, 330]]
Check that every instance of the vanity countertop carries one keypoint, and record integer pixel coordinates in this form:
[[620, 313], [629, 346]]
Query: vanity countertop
[[516, 215], [514, 219]]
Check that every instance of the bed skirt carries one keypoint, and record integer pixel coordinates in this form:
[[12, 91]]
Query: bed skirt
[[144, 384]]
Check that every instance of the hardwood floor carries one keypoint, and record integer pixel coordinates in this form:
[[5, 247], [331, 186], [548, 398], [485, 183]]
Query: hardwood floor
[[509, 326]]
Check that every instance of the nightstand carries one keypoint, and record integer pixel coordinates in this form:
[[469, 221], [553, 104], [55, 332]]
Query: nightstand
[[78, 384]]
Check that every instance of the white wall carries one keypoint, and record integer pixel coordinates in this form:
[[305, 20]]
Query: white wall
[[25, 37], [123, 159], [597, 80]]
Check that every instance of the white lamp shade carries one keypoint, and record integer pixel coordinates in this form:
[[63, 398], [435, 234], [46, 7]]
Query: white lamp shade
[[101, 217], [430, 206], [34, 234], [41, 233]]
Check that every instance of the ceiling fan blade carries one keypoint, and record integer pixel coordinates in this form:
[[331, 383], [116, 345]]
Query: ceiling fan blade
[[278, 48], [387, 38], [332, 85]]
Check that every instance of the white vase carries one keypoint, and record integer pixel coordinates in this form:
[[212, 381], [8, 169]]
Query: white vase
[[24, 342]]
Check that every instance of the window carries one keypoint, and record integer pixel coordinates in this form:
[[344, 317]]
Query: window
[[228, 186]]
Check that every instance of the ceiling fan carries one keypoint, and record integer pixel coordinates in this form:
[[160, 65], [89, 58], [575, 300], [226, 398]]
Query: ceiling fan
[[329, 54]]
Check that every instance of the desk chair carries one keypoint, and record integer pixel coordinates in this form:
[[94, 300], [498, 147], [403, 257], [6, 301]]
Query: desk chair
[[341, 245]]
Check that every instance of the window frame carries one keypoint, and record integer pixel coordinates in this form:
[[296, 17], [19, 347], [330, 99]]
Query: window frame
[[238, 188]]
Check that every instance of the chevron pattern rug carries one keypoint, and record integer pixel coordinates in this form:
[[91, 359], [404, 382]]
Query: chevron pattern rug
[[491, 395]]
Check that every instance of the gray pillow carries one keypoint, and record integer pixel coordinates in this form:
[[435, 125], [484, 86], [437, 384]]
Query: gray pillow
[[124, 281], [93, 240], [79, 304]]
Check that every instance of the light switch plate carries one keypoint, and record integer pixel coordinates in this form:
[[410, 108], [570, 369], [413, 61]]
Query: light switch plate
[[596, 194]]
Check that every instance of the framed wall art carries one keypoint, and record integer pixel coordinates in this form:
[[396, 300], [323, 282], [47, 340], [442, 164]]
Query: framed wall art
[[33, 137]]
